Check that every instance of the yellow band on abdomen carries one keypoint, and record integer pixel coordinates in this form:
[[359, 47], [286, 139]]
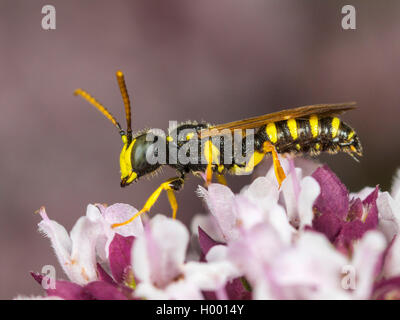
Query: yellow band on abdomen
[[314, 126], [335, 126], [292, 125]]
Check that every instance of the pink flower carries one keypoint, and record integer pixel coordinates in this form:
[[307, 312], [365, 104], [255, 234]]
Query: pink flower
[[260, 202], [265, 237], [308, 268], [76, 252], [90, 236], [309, 239], [90, 242], [161, 269], [340, 218]]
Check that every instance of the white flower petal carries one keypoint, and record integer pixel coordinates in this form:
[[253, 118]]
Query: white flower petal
[[263, 192], [208, 223], [120, 212], [392, 259], [290, 195], [217, 253], [84, 236], [248, 214], [255, 250], [158, 256], [396, 187], [220, 201], [183, 290], [210, 276], [77, 252], [265, 290], [309, 192], [140, 260], [278, 219], [178, 290], [59, 238], [366, 259], [309, 270], [389, 215], [93, 213], [147, 291]]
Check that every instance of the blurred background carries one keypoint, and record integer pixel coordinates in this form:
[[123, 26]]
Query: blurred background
[[207, 60]]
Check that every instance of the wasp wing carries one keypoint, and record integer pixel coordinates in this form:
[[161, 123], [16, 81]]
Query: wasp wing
[[321, 110]]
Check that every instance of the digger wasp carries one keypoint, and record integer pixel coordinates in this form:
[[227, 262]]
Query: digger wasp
[[300, 131]]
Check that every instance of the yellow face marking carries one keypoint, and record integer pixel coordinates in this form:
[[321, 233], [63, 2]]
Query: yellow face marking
[[335, 126], [292, 125], [221, 168], [125, 161], [211, 152], [132, 177], [271, 132], [298, 147], [124, 139], [122, 164], [314, 126], [350, 136], [169, 139], [189, 135], [317, 146]]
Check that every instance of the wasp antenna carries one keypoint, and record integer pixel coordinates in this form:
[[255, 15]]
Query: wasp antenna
[[127, 102], [100, 107]]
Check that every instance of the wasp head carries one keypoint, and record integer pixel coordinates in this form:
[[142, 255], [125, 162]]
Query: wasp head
[[137, 157]]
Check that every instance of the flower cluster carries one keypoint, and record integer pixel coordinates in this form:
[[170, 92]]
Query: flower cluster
[[308, 239]]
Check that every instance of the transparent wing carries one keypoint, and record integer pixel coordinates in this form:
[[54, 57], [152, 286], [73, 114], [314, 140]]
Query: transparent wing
[[321, 110]]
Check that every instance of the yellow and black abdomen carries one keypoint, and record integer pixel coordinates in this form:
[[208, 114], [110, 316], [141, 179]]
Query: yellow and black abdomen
[[310, 135]]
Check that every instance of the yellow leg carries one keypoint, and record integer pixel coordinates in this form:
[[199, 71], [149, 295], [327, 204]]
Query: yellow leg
[[255, 159], [221, 179], [172, 202], [167, 186], [209, 174], [211, 154], [279, 173]]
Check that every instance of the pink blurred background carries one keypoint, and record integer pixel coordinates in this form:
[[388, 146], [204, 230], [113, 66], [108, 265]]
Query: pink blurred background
[[206, 60]]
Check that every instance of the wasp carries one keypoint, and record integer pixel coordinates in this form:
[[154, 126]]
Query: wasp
[[307, 130]]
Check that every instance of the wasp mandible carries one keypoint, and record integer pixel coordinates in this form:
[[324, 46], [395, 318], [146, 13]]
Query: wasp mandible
[[304, 130]]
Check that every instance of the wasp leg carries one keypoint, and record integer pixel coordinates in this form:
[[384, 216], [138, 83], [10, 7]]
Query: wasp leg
[[172, 202], [209, 174], [211, 154], [171, 185], [248, 167], [221, 179], [221, 174], [279, 173]]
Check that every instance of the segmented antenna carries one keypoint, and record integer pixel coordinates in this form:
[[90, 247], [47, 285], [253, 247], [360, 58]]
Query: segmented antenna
[[127, 103], [100, 107]]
